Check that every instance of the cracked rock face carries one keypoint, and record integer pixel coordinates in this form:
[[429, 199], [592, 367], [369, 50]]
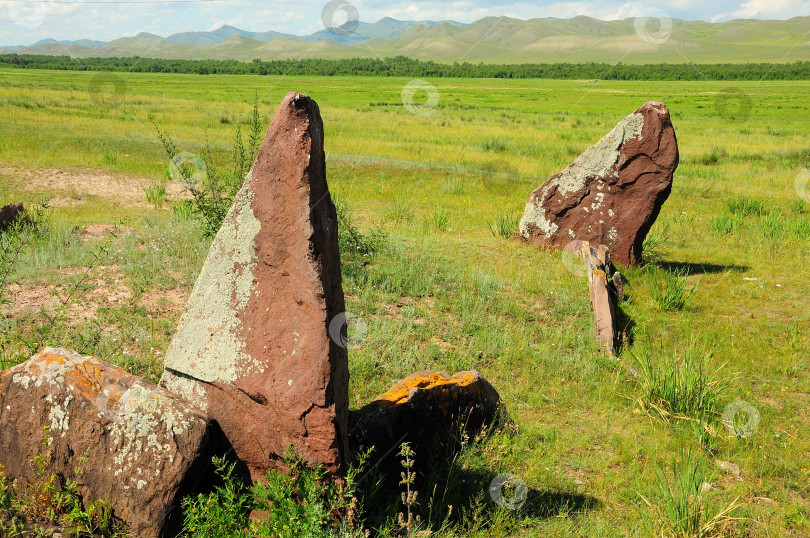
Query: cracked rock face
[[119, 437], [252, 349], [612, 193]]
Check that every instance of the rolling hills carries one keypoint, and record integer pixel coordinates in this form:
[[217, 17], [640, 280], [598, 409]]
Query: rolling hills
[[490, 40]]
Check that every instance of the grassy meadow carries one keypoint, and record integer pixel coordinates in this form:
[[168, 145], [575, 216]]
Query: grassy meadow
[[594, 437]]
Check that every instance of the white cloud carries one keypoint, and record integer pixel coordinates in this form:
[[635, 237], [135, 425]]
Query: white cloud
[[776, 9]]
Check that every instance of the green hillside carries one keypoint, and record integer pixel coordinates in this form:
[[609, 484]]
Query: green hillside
[[504, 40]]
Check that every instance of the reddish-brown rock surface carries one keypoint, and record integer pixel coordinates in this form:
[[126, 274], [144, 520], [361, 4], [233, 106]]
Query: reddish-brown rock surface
[[252, 348], [430, 410], [119, 437], [10, 213], [612, 193]]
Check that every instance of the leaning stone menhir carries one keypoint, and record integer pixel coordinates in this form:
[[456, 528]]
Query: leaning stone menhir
[[613, 192], [120, 438], [252, 348]]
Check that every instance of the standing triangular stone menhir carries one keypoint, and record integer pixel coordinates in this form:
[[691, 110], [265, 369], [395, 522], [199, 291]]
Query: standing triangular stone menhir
[[252, 348]]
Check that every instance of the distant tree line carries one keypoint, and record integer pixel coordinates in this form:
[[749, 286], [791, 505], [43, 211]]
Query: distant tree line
[[401, 66]]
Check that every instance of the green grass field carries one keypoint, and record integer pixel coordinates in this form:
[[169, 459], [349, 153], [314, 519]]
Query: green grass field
[[451, 293]]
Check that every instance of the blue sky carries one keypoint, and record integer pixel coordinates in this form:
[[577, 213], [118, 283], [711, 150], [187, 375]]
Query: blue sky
[[23, 22]]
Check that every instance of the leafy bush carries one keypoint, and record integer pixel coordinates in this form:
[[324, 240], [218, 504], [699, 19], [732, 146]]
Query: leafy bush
[[50, 500], [213, 189], [302, 502]]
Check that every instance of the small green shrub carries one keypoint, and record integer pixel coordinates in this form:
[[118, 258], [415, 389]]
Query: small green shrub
[[302, 502], [669, 288], [212, 189], [50, 500]]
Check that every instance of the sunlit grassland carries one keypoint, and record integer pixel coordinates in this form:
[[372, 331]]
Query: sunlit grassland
[[456, 296]]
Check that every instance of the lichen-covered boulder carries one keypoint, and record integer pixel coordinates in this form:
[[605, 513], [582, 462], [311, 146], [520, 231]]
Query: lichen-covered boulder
[[253, 347], [119, 437], [431, 410], [613, 192]]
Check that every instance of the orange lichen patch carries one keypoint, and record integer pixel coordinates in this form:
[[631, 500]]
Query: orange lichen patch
[[421, 380], [87, 376]]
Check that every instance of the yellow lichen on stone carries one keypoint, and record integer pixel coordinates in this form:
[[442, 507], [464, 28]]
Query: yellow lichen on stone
[[421, 380]]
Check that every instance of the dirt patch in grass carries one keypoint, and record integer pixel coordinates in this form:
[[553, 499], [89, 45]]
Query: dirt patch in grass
[[101, 230], [71, 188], [81, 295], [85, 292], [165, 302]]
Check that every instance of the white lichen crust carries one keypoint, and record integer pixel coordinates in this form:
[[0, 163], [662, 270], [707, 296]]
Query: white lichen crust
[[206, 345], [139, 424], [597, 163]]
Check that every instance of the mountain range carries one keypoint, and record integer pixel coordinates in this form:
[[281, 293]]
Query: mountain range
[[491, 40]]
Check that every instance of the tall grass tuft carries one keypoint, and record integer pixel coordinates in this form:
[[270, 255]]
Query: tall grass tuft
[[651, 248], [746, 207], [679, 387], [669, 288], [357, 249], [155, 193], [505, 225], [686, 510]]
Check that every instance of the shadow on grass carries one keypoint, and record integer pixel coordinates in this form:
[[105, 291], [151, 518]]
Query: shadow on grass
[[459, 500], [701, 268]]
